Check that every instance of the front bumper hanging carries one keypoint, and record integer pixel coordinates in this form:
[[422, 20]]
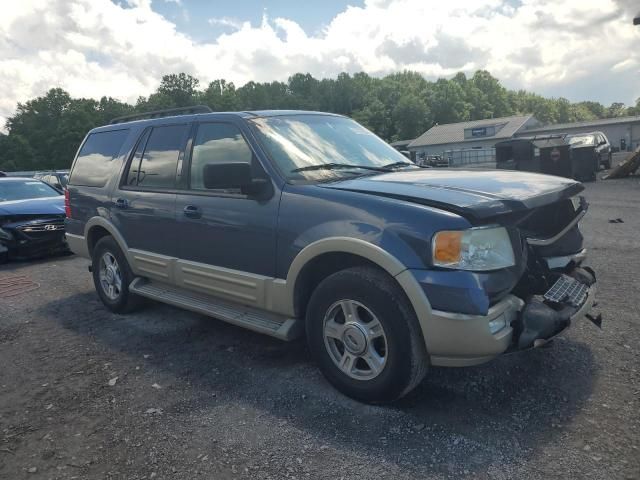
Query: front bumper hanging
[[572, 296]]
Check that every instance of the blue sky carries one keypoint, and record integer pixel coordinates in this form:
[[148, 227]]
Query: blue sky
[[577, 49], [192, 15]]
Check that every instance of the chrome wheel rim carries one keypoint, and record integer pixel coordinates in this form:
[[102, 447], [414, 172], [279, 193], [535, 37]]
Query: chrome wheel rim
[[110, 276], [355, 340]]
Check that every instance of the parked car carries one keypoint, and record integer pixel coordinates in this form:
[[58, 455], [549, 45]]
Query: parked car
[[31, 219], [57, 180], [288, 222], [434, 161], [596, 140]]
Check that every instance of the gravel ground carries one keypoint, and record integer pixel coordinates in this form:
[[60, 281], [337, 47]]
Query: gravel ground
[[169, 394]]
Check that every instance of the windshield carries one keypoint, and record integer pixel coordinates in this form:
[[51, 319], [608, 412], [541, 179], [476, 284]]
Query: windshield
[[24, 190], [301, 143], [582, 140]]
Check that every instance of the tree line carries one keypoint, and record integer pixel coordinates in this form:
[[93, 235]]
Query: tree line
[[44, 133]]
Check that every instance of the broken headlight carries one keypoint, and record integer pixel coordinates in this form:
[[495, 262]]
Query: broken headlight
[[476, 249]]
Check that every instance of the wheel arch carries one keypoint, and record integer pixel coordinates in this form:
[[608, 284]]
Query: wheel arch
[[99, 227], [353, 252]]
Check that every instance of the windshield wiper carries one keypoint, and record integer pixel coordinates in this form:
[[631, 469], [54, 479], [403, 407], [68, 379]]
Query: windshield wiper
[[393, 165], [333, 166]]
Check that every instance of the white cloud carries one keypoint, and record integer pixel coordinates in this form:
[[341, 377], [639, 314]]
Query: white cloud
[[233, 23], [587, 48]]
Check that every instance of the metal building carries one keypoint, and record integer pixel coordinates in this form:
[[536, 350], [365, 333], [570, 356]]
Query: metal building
[[622, 132], [468, 143]]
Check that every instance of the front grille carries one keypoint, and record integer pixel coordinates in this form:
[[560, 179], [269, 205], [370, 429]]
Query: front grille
[[548, 220], [42, 227], [47, 228]]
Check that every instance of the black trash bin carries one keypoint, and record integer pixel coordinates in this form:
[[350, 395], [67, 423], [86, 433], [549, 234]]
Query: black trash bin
[[585, 158], [555, 159], [549, 154]]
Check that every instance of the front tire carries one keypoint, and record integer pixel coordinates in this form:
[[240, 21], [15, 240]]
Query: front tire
[[364, 335], [112, 277]]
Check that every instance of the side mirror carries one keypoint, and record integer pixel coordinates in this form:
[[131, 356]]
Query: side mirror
[[602, 142], [232, 175]]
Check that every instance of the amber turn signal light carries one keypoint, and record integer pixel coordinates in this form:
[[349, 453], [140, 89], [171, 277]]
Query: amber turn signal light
[[447, 247]]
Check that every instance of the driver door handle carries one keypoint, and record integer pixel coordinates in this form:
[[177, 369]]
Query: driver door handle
[[122, 203], [192, 211]]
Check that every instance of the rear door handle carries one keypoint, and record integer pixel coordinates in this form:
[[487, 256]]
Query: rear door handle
[[192, 211], [122, 203]]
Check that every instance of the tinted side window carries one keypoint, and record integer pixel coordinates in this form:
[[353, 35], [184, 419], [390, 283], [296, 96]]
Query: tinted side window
[[216, 143], [93, 165], [157, 167]]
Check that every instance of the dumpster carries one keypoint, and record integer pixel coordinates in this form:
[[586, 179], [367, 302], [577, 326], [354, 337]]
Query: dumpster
[[584, 155], [550, 154]]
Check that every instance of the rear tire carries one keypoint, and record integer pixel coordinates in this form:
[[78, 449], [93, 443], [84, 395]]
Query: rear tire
[[364, 335], [112, 277]]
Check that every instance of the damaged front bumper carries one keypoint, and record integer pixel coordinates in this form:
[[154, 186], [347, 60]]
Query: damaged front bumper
[[512, 324], [32, 239], [572, 297]]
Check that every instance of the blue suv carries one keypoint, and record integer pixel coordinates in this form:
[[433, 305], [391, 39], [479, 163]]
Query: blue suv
[[290, 223]]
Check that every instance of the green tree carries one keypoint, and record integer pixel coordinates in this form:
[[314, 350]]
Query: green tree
[[447, 102], [635, 110], [220, 96], [16, 154], [411, 116], [45, 132], [616, 109], [493, 99], [375, 117]]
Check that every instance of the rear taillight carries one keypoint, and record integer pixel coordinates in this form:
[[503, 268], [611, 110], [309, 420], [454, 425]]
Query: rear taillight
[[67, 204]]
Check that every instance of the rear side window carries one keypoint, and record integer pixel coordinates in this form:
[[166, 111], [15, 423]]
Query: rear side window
[[216, 143], [156, 167], [93, 165]]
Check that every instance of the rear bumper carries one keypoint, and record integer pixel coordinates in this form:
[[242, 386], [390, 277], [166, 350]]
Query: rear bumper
[[77, 244], [457, 340]]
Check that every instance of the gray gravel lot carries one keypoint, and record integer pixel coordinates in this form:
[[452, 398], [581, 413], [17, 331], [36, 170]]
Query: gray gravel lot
[[169, 394]]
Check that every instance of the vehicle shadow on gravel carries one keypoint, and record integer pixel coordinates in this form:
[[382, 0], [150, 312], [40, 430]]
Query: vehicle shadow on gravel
[[457, 421]]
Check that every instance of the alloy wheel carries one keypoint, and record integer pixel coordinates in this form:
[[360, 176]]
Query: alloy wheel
[[110, 276], [355, 340]]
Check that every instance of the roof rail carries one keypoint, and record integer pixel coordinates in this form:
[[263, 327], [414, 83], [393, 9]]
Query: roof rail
[[167, 112]]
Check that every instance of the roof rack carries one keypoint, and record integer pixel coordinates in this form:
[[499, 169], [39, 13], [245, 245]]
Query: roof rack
[[167, 112]]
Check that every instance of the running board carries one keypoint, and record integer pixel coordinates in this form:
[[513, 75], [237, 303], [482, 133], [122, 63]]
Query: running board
[[251, 318]]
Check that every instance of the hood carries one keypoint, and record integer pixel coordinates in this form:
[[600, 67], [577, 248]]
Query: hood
[[33, 206], [474, 194]]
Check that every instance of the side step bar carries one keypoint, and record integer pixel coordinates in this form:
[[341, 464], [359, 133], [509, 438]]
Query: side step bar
[[251, 318]]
